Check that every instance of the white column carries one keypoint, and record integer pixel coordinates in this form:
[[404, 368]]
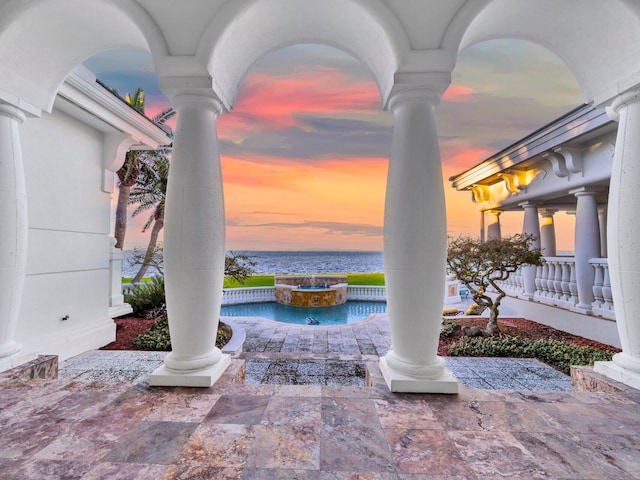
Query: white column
[[623, 229], [602, 223], [13, 232], [547, 232], [530, 226], [493, 225], [587, 245], [194, 247], [415, 244]]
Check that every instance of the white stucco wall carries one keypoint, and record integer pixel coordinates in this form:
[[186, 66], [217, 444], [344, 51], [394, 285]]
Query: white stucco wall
[[68, 248]]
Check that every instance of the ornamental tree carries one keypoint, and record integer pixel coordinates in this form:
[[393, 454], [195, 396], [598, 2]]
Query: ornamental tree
[[480, 265]]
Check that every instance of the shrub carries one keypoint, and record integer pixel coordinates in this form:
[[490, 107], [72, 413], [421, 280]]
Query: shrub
[[553, 352], [147, 299], [448, 327], [157, 336]]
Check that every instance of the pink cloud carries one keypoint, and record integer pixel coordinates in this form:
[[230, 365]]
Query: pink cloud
[[273, 102], [458, 93]]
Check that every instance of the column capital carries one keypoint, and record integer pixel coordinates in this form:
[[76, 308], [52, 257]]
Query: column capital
[[585, 191], [198, 100], [529, 205], [413, 86], [493, 211], [620, 102], [12, 112], [196, 87], [547, 212]]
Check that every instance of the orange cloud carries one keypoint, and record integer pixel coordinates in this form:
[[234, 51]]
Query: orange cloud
[[464, 159], [458, 93]]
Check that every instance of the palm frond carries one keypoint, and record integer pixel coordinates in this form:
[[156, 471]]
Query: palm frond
[[162, 117]]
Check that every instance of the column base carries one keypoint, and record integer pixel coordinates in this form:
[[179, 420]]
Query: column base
[[119, 310], [618, 373], [403, 383], [583, 309], [205, 378]]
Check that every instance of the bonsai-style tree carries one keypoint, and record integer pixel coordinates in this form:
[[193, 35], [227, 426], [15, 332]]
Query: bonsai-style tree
[[480, 265]]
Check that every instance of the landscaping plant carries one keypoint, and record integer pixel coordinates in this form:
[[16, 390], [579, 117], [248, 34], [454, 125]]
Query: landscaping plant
[[480, 265], [552, 352]]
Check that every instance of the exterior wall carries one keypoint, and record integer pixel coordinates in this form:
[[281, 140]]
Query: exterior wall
[[594, 328], [68, 250]]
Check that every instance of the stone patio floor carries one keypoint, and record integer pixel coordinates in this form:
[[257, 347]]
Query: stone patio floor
[[83, 428]]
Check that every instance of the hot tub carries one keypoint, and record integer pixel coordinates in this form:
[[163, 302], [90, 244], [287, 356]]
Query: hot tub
[[311, 290]]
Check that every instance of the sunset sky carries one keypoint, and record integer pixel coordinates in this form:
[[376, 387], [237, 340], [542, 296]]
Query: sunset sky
[[305, 150]]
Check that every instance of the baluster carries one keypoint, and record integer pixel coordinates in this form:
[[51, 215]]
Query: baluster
[[557, 281], [544, 275], [606, 290], [538, 282], [598, 282], [573, 285], [566, 277], [551, 273]]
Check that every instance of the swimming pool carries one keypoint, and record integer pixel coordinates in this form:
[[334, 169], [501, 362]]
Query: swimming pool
[[350, 312]]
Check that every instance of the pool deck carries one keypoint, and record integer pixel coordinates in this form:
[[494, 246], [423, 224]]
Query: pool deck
[[83, 428]]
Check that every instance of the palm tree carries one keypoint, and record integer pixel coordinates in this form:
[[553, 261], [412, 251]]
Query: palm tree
[[149, 194], [131, 168]]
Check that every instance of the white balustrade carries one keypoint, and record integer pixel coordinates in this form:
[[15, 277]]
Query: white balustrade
[[556, 285], [233, 296], [603, 300], [367, 292]]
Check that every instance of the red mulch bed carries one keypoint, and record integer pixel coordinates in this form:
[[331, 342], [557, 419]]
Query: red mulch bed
[[128, 328], [518, 327]]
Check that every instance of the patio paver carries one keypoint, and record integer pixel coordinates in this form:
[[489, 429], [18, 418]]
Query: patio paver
[[73, 428]]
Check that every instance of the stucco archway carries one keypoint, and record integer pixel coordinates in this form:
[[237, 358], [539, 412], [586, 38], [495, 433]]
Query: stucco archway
[[47, 39], [245, 31], [583, 34]]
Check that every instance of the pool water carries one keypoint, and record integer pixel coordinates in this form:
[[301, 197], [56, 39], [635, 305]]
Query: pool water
[[350, 312]]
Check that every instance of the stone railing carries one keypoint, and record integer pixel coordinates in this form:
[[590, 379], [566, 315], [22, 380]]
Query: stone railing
[[233, 296], [556, 282], [367, 292], [556, 285]]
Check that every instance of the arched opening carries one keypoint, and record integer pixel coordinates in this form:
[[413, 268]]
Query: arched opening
[[304, 154], [502, 90], [72, 34], [242, 33]]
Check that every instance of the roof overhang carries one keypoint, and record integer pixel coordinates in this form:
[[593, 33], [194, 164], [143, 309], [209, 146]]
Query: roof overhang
[[577, 123]]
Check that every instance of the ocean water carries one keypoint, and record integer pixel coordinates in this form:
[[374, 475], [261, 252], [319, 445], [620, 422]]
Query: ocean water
[[297, 262]]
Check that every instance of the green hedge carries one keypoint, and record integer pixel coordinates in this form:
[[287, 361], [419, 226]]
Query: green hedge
[[448, 327], [553, 352], [157, 337]]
